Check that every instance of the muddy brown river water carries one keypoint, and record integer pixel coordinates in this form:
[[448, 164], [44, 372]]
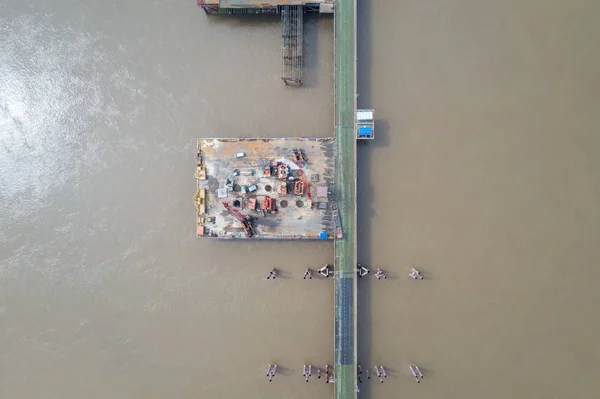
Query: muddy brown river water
[[484, 174]]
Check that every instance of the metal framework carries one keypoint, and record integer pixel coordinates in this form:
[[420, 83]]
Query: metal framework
[[267, 7], [292, 20], [208, 8]]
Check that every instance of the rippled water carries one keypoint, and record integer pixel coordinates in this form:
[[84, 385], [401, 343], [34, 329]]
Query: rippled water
[[484, 174]]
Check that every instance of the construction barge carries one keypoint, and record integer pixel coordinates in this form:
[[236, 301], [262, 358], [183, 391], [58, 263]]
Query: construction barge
[[266, 189]]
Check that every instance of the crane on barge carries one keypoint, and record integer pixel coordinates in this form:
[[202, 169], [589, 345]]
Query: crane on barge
[[243, 219]]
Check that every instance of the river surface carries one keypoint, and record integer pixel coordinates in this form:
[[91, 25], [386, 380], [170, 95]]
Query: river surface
[[484, 174]]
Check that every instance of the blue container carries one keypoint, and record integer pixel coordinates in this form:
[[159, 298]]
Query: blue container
[[365, 131], [323, 236]]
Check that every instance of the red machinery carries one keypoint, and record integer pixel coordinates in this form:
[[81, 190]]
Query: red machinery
[[283, 171], [306, 184], [299, 188], [268, 205], [283, 189], [243, 219]]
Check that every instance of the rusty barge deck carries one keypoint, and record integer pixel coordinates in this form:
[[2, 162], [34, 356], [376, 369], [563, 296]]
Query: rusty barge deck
[[283, 187]]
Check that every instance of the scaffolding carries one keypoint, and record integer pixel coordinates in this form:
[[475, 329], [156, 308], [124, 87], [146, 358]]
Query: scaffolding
[[292, 19], [209, 7], [233, 7]]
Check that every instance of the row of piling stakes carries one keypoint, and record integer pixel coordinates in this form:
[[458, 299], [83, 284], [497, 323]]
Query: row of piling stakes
[[381, 374], [361, 271], [379, 371], [324, 271], [306, 372]]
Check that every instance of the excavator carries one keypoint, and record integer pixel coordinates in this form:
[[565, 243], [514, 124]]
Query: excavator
[[243, 219]]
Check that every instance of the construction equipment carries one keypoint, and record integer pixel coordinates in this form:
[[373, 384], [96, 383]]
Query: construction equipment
[[243, 219], [252, 203], [200, 201], [298, 188], [298, 156], [306, 183], [283, 171], [268, 205], [200, 173], [283, 189]]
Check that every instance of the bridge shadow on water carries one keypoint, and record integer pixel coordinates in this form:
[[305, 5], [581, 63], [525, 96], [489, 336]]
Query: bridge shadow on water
[[367, 214]]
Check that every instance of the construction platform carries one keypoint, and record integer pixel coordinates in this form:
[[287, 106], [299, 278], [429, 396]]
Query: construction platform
[[292, 21], [265, 188], [263, 6]]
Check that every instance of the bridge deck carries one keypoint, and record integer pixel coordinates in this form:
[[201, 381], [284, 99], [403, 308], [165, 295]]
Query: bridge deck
[[345, 160]]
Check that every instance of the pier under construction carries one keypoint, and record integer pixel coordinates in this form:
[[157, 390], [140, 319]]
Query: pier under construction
[[292, 21], [343, 156]]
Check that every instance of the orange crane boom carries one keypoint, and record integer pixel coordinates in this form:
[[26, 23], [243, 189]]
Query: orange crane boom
[[243, 219]]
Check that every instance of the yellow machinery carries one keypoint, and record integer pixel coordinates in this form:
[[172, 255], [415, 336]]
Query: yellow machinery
[[200, 200]]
